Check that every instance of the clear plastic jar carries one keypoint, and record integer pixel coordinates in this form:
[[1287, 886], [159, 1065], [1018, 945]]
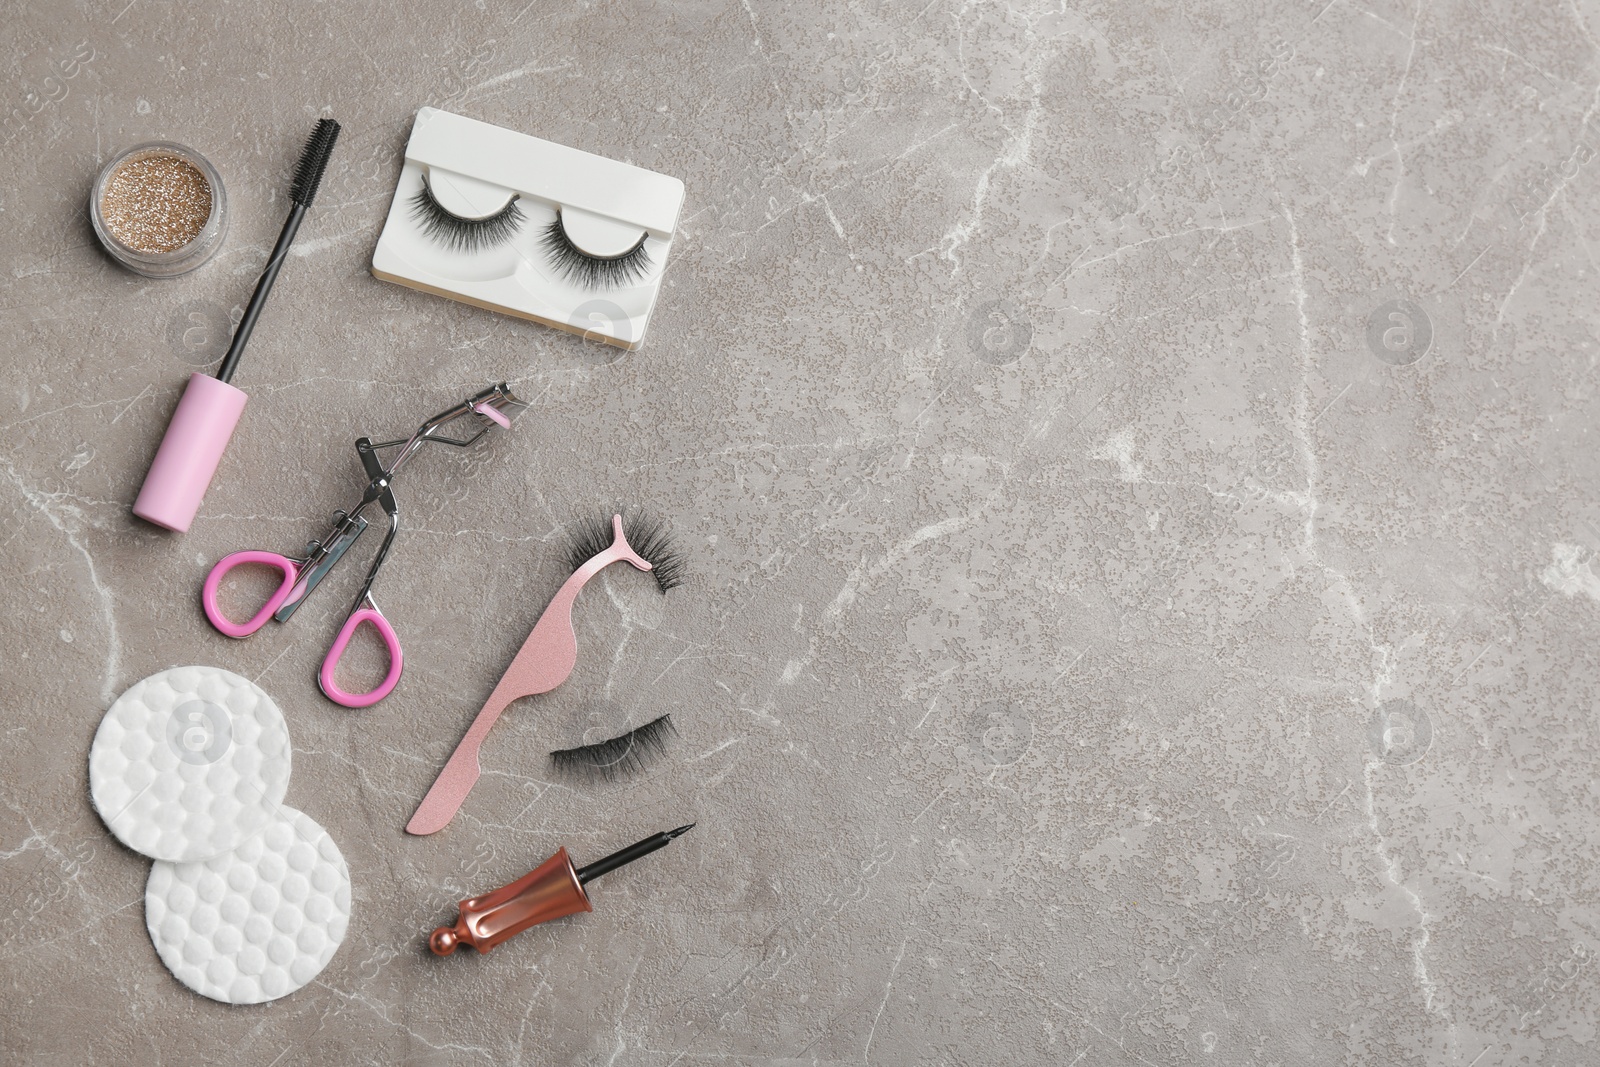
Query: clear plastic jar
[[149, 209]]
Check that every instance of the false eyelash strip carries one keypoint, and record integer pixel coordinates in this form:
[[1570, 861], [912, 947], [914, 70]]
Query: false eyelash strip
[[461, 234], [626, 754], [593, 272]]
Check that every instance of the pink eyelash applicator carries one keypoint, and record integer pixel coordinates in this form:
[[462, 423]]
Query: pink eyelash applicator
[[548, 655], [210, 408]]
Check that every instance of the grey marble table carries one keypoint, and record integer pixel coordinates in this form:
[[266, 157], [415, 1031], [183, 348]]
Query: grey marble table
[[1134, 465]]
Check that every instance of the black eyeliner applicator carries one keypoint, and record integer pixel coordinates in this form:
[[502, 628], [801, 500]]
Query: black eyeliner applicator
[[549, 891], [210, 407]]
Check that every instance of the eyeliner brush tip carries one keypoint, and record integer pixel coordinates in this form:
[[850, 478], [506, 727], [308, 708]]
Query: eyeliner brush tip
[[680, 830]]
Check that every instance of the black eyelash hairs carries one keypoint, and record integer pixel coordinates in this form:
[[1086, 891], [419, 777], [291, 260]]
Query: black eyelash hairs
[[460, 234], [615, 757], [647, 534], [576, 266], [593, 272]]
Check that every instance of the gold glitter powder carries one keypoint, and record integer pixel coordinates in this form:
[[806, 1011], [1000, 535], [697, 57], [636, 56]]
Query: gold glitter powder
[[156, 203]]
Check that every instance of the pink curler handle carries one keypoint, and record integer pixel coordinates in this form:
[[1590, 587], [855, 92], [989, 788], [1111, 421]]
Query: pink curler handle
[[331, 689], [208, 593]]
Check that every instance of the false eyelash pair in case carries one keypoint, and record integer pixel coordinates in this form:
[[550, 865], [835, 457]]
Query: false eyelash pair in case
[[530, 228]]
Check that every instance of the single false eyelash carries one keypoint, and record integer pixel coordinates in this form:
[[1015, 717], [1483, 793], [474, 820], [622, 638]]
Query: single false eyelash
[[593, 272], [462, 234], [626, 754], [649, 537]]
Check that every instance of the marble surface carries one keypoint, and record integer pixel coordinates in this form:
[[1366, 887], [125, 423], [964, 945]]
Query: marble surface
[[1133, 462]]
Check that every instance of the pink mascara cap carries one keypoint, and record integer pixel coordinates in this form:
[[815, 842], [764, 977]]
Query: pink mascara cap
[[190, 452]]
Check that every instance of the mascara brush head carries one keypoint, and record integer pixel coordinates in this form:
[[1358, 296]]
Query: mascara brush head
[[313, 161], [647, 535]]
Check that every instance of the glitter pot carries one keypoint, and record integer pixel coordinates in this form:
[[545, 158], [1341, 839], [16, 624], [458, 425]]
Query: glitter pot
[[159, 209]]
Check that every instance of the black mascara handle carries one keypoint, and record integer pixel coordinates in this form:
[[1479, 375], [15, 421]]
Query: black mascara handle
[[258, 299]]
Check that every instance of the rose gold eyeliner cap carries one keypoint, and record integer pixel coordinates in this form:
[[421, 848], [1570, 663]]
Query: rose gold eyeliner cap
[[547, 892]]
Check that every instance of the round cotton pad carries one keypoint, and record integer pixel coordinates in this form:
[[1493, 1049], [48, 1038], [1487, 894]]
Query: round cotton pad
[[189, 763], [256, 923]]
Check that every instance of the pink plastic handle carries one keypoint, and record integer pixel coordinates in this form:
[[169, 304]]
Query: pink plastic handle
[[208, 594], [331, 689]]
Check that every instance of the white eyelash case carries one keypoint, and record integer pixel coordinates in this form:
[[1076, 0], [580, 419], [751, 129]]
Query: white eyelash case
[[530, 228]]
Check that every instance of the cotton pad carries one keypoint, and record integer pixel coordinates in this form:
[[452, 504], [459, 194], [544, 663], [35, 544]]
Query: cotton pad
[[256, 923], [189, 764]]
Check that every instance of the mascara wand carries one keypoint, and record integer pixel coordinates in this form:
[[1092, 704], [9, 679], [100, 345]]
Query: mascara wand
[[302, 191], [210, 407], [549, 891]]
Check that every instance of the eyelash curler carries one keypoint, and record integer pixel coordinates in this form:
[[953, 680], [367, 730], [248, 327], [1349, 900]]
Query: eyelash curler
[[548, 655], [487, 410]]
